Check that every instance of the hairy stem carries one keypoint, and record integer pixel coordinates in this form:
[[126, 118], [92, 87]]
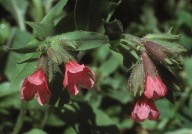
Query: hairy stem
[[45, 117]]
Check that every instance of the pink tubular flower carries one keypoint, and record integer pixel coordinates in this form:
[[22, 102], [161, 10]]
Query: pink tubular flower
[[36, 84], [76, 74], [154, 87], [144, 109]]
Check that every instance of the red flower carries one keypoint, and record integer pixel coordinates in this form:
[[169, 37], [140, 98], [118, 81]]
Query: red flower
[[36, 84], [76, 74], [144, 109], [154, 87]]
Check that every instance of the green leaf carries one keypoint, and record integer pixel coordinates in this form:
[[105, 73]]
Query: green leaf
[[20, 39], [82, 40], [162, 36], [55, 121], [188, 70], [181, 131], [12, 100], [172, 46], [165, 108], [5, 32], [136, 80], [149, 20], [147, 124], [28, 58], [45, 28], [18, 9], [109, 66], [185, 18], [100, 54], [118, 56], [116, 88], [5, 89], [41, 30], [48, 19], [126, 123], [186, 41], [102, 119], [22, 71], [120, 95], [28, 48], [70, 130], [35, 131]]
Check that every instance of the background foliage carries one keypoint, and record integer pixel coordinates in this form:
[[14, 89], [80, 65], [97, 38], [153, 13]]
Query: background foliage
[[106, 107]]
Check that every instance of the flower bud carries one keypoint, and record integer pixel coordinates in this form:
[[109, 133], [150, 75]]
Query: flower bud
[[157, 52]]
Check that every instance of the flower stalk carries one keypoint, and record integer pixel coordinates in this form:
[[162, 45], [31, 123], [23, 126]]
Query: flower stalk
[[20, 118]]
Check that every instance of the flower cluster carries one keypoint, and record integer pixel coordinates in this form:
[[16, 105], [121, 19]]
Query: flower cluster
[[37, 84], [154, 88]]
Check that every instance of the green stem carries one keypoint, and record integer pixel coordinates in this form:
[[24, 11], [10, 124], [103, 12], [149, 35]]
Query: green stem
[[19, 18], [130, 47], [20, 118], [75, 21], [45, 117]]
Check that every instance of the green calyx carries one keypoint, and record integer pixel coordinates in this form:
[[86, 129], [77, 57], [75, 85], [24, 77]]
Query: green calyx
[[136, 80], [58, 54]]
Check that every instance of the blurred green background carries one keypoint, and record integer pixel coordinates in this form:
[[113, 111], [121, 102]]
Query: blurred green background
[[105, 109]]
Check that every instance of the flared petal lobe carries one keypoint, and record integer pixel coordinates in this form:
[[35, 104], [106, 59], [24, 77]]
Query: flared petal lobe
[[154, 87], [76, 75], [144, 109], [36, 84]]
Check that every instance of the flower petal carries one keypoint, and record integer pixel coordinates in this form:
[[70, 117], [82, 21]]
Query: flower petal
[[154, 113], [36, 77], [73, 89], [27, 91], [74, 67], [43, 94], [85, 79], [144, 109], [73, 84], [154, 87], [75, 75]]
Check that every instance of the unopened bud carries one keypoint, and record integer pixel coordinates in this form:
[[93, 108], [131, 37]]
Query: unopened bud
[[157, 52]]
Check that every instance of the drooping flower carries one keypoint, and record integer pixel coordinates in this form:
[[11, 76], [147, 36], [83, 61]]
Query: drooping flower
[[154, 87], [144, 109], [36, 84], [76, 75]]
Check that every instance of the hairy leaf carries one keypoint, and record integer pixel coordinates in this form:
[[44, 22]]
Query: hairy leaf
[[81, 40], [136, 80]]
